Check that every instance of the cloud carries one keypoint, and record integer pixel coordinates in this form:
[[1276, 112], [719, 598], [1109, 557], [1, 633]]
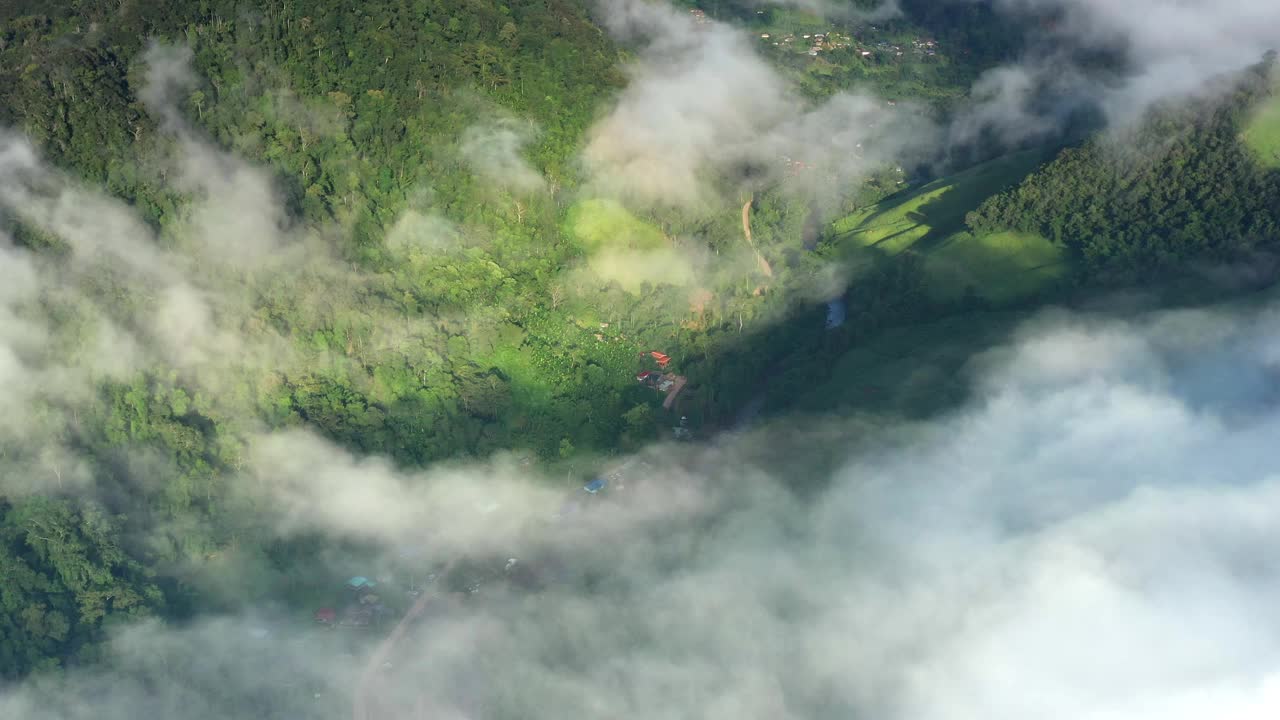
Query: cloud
[[168, 79], [1017, 103], [703, 108], [233, 212], [453, 510], [120, 297], [30, 368], [1160, 50], [1091, 537], [169, 302], [160, 671], [494, 150], [1175, 47], [420, 235]]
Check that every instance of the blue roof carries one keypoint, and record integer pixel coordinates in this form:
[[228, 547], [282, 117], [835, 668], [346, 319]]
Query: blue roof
[[835, 313], [595, 485], [361, 581]]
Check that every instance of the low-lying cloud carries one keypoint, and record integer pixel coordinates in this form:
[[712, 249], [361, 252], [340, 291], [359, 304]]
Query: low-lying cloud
[[1174, 47], [1091, 537], [121, 298], [494, 150], [1161, 50], [702, 109]]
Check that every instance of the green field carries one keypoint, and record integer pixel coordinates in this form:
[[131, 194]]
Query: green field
[[1262, 133], [1000, 267], [598, 224], [625, 249], [910, 371]]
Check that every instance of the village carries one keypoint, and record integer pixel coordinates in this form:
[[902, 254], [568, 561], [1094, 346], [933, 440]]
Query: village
[[370, 616], [369, 603], [864, 42], [815, 43]]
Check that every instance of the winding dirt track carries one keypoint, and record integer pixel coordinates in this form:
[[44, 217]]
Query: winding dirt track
[[360, 704], [746, 231]]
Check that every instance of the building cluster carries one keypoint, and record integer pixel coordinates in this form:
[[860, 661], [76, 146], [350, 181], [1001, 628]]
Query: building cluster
[[816, 43], [359, 606]]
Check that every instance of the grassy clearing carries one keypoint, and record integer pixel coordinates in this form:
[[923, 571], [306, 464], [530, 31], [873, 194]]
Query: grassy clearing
[[625, 249], [1001, 267], [528, 386], [1262, 133], [599, 224]]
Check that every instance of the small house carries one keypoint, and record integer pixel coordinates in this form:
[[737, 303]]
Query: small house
[[359, 582], [595, 485]]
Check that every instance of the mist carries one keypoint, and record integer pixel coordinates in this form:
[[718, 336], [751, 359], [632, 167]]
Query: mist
[[1090, 536], [1174, 48], [703, 111], [494, 150], [1160, 51], [119, 297]]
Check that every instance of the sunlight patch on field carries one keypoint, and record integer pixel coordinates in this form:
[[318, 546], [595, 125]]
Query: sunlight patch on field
[[625, 249], [929, 220], [1262, 133]]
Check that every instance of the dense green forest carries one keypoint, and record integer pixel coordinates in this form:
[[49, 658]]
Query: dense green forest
[[1183, 187], [415, 351], [422, 310]]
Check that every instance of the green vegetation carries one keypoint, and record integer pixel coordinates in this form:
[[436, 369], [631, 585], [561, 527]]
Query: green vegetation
[[1000, 267], [604, 223], [438, 315], [911, 371], [932, 52], [1179, 187], [624, 249], [63, 577], [1262, 132]]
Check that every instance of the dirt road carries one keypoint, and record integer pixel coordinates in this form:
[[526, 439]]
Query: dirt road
[[746, 231], [360, 709]]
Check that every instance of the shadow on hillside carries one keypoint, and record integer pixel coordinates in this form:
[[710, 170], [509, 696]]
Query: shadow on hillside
[[944, 214]]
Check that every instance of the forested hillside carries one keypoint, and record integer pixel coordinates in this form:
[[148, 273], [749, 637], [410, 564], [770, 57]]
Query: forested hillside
[[373, 222], [352, 105], [385, 282], [358, 111], [1180, 187]]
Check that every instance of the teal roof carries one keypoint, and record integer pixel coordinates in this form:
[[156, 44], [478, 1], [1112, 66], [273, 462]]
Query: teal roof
[[360, 581]]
